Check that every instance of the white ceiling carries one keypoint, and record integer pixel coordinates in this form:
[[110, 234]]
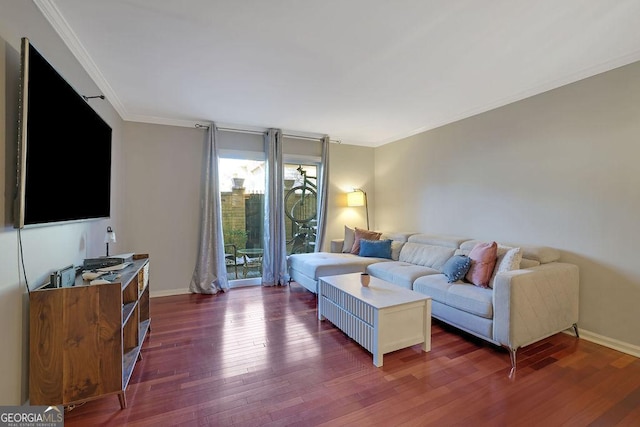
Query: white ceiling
[[365, 72]]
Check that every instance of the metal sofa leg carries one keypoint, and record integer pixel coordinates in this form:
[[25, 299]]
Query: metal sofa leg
[[512, 355], [575, 329]]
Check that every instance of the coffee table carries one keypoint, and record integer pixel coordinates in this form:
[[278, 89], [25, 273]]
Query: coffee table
[[381, 318]]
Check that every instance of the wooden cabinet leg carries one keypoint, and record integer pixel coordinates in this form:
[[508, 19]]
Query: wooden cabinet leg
[[123, 400]]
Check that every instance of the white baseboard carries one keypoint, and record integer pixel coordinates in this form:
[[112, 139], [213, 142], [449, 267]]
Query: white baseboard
[[169, 292], [233, 284], [612, 343], [240, 283]]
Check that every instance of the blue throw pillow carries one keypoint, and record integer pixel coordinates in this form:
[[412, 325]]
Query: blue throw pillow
[[456, 267], [375, 248]]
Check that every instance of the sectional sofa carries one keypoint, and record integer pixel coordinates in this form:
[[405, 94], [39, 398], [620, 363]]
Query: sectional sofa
[[522, 306]]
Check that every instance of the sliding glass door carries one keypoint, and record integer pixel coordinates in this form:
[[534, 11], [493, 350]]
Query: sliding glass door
[[242, 189]]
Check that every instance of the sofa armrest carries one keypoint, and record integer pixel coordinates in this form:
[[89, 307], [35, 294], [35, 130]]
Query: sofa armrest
[[534, 303], [336, 246]]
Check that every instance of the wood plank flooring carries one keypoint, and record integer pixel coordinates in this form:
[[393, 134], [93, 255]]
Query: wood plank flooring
[[258, 356]]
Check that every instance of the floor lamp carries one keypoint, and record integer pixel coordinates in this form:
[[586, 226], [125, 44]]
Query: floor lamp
[[358, 198]]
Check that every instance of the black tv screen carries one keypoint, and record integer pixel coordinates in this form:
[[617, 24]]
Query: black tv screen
[[64, 161]]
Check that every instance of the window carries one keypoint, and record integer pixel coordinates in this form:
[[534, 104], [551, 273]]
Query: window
[[301, 206]]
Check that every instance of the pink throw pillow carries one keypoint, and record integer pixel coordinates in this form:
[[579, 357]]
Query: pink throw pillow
[[483, 260], [363, 234]]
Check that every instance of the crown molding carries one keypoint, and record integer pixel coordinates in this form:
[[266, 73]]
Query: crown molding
[[538, 89], [61, 26], [185, 123]]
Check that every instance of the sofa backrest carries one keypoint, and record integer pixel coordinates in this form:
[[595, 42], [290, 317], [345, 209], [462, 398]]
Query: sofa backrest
[[432, 250], [398, 239], [437, 240], [429, 250], [531, 255]]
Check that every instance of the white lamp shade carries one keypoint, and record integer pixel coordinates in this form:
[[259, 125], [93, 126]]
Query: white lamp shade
[[355, 198], [110, 237]]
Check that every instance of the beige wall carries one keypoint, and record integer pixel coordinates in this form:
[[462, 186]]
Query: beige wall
[[350, 167], [162, 169], [558, 169], [47, 248]]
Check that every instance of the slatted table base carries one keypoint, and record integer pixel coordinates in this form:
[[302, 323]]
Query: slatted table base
[[381, 318]]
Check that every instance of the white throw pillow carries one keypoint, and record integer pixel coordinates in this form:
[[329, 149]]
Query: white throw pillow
[[349, 238], [508, 259]]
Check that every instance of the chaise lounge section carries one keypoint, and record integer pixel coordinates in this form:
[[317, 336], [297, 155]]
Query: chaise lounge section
[[305, 269]]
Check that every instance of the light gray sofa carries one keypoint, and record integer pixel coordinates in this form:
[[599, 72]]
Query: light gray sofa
[[524, 305]]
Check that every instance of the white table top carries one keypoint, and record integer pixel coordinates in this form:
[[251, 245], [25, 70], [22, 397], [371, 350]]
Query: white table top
[[378, 294]]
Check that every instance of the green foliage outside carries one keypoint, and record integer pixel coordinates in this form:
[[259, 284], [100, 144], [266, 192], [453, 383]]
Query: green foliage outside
[[236, 237]]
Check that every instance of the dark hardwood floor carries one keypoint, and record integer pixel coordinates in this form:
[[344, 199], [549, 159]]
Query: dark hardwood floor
[[259, 357]]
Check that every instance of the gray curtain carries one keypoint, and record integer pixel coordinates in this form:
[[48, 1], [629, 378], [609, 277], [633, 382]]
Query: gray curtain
[[210, 273], [274, 261], [323, 190]]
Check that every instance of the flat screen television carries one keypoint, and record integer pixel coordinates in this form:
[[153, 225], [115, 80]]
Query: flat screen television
[[64, 149]]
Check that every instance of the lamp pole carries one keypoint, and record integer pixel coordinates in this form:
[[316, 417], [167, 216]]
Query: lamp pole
[[353, 201]]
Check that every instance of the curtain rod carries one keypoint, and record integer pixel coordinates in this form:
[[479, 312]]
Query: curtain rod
[[308, 138], [257, 132], [249, 131]]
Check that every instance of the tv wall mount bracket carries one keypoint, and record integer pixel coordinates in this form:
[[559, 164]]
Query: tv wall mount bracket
[[87, 98]]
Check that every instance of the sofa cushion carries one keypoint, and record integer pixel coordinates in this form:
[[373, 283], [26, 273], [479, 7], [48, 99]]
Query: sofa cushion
[[425, 255], [483, 261], [542, 254], [463, 320], [363, 234], [435, 285], [375, 248], [320, 264], [528, 263], [462, 296], [398, 241], [399, 273], [456, 267], [472, 299]]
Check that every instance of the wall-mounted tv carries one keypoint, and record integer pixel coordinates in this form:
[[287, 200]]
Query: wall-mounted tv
[[64, 149]]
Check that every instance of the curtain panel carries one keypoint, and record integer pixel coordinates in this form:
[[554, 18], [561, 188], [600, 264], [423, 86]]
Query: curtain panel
[[210, 273], [323, 191], [274, 261]]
